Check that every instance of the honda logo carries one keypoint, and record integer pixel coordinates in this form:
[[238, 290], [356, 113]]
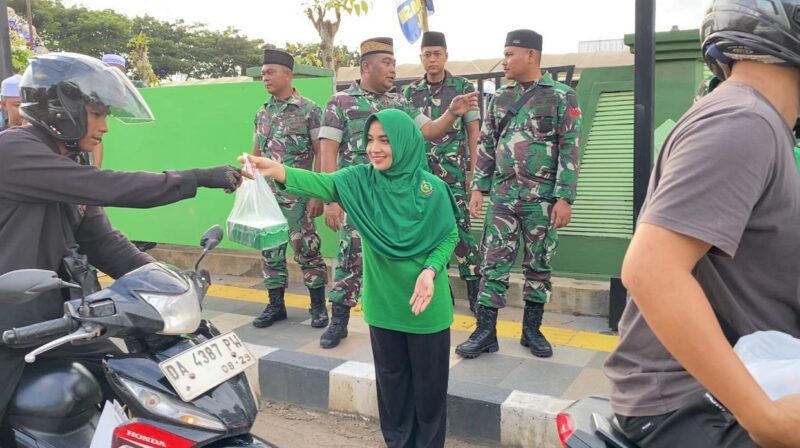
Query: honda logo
[[144, 438]]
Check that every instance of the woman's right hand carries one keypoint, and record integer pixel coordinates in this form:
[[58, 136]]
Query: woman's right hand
[[423, 291], [334, 216], [267, 167]]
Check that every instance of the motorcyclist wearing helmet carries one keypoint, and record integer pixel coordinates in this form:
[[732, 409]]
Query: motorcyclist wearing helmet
[[714, 254], [51, 206]]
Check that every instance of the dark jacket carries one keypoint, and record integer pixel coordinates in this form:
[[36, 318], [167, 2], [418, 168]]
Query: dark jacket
[[39, 188]]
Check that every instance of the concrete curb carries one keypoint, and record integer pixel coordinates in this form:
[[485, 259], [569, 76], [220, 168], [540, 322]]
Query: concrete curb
[[494, 414], [570, 296]]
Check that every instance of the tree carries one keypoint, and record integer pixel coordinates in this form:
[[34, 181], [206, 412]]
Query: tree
[[316, 10], [167, 55], [221, 53], [78, 29], [174, 47], [196, 51], [311, 54], [140, 61]]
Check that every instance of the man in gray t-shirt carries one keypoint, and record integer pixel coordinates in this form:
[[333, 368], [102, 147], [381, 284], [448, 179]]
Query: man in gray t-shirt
[[716, 251]]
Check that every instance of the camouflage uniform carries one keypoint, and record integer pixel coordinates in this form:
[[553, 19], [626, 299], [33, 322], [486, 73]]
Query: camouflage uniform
[[534, 163], [284, 131], [449, 156], [344, 120], [705, 87]]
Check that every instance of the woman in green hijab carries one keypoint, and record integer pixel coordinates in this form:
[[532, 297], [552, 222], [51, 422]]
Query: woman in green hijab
[[406, 218]]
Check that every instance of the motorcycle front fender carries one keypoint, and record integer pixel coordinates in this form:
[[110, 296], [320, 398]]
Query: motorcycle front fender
[[242, 441]]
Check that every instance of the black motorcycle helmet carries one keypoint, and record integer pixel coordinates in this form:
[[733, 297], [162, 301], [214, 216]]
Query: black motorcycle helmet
[[762, 30], [56, 88]]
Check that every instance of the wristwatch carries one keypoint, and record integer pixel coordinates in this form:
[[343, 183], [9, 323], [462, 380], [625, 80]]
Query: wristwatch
[[430, 267]]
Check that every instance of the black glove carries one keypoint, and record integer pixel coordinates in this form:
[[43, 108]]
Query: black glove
[[225, 176]]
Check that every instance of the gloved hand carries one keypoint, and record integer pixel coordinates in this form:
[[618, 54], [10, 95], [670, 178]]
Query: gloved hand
[[225, 176]]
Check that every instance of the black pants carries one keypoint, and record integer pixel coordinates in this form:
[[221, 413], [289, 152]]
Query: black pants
[[411, 372], [12, 365], [703, 423]]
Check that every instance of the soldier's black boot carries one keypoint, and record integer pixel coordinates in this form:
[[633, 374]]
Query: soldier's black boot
[[532, 337], [275, 310], [319, 314], [484, 338], [472, 294], [337, 330]]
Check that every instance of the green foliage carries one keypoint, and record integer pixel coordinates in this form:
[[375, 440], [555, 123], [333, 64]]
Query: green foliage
[[20, 52], [139, 60], [316, 10], [311, 54], [21, 48], [78, 29], [174, 47], [350, 7]]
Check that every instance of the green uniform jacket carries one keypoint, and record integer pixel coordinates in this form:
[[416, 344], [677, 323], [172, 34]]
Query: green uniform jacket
[[389, 283]]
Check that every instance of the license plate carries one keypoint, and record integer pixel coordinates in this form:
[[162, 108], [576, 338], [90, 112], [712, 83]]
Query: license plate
[[203, 367]]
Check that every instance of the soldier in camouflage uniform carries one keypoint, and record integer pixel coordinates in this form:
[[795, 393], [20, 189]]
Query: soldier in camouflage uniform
[[530, 170], [451, 156], [342, 146], [287, 131]]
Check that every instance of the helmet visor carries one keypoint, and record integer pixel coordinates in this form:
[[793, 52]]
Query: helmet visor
[[121, 97]]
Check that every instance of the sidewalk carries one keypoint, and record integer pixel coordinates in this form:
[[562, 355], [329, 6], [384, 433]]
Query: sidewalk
[[508, 397], [570, 296]]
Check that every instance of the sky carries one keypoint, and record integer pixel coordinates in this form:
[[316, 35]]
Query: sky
[[475, 29]]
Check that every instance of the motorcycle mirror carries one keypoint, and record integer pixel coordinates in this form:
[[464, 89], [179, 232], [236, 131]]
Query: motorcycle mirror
[[211, 238], [24, 285]]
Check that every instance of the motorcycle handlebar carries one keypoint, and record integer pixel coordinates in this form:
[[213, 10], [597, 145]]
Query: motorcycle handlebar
[[35, 332]]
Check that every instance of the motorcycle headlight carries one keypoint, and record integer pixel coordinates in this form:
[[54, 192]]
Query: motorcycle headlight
[[168, 407], [181, 313]]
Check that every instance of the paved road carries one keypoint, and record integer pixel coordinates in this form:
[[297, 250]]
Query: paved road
[[288, 425]]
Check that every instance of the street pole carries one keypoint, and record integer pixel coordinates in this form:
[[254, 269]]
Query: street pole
[[30, 24], [6, 69], [644, 99], [643, 104]]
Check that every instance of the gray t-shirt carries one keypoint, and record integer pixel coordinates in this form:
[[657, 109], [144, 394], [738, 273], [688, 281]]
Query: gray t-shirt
[[726, 176]]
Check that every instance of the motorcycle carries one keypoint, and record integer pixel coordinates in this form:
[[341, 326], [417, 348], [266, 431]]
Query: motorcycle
[[590, 423], [181, 380]]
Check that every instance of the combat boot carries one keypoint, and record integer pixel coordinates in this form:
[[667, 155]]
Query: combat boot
[[318, 311], [337, 330], [275, 310], [532, 337], [472, 294], [484, 338]]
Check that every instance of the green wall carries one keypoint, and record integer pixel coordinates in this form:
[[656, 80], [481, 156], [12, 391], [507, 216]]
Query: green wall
[[592, 256], [678, 72], [196, 126]]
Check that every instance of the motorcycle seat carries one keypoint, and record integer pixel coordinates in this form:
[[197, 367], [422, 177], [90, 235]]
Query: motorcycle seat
[[55, 396]]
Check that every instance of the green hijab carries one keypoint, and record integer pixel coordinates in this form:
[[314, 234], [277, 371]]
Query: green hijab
[[404, 211]]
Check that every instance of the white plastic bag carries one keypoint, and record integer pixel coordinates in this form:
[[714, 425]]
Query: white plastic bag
[[111, 417], [773, 358], [256, 219]]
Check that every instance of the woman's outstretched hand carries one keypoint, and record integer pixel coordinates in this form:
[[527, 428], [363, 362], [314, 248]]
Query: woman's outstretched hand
[[267, 167], [423, 291]]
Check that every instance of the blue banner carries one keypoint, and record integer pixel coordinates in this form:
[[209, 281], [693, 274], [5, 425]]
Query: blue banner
[[409, 12]]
